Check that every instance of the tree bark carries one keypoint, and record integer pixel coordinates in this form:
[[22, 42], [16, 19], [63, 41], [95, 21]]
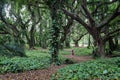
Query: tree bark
[[32, 38], [116, 42], [99, 48], [89, 41], [76, 43], [111, 44], [54, 7], [67, 44]]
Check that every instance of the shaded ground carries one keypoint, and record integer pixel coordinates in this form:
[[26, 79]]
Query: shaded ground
[[44, 74]]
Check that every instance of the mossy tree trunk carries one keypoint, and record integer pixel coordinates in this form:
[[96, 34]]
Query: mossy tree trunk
[[55, 29]]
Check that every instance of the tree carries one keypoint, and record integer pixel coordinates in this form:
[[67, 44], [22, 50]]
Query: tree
[[13, 42], [90, 11], [66, 29], [54, 7], [78, 32]]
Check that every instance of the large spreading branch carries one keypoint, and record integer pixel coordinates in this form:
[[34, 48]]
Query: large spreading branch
[[66, 29], [101, 4], [112, 34], [11, 26], [110, 18], [89, 15], [80, 36], [115, 31], [77, 18]]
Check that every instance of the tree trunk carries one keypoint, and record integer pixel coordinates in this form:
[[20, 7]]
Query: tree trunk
[[111, 44], [31, 45], [67, 44], [116, 42], [32, 39], [99, 48], [55, 30], [44, 44], [62, 40], [76, 43], [40, 34], [89, 41]]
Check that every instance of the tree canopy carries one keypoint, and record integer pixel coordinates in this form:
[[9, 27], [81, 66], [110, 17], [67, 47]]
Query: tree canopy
[[55, 23]]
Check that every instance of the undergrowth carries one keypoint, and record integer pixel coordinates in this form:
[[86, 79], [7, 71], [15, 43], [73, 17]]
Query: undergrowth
[[102, 69]]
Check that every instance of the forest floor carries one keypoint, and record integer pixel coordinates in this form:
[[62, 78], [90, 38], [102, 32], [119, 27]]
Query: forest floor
[[44, 74]]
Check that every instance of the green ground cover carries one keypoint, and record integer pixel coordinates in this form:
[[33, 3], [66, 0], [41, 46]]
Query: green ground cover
[[101, 69]]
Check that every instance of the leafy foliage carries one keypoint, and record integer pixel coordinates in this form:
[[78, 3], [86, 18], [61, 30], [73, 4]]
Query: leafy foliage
[[18, 64], [10, 47], [105, 69], [36, 59], [39, 53]]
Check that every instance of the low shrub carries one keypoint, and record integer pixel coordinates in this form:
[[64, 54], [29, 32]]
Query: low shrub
[[20, 64], [69, 61], [103, 69]]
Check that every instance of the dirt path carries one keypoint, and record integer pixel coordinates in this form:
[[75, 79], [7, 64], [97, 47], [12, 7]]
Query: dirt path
[[44, 74], [79, 59]]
